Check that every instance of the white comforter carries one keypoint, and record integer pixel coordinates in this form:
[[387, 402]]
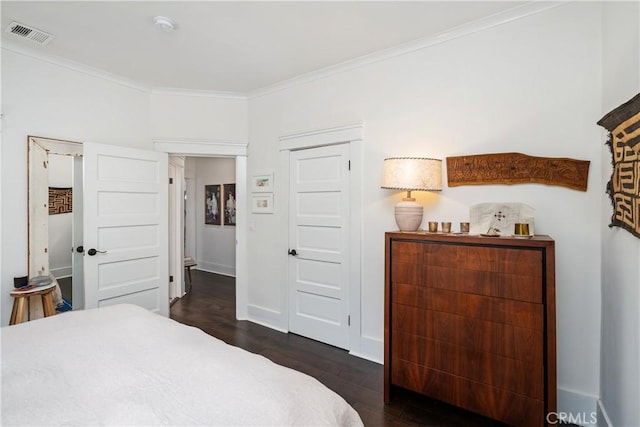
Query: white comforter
[[122, 365]]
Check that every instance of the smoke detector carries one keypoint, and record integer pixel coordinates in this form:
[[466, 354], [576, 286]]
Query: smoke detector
[[26, 32], [164, 24]]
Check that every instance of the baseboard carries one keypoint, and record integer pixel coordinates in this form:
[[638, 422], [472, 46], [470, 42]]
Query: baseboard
[[370, 349], [603, 417], [266, 317], [578, 408], [210, 267], [62, 272]]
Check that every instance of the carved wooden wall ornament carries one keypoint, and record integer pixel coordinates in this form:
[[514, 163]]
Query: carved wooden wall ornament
[[623, 124], [517, 168]]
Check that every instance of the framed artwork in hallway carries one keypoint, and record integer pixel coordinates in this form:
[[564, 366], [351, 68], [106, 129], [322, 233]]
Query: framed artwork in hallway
[[229, 207], [212, 206]]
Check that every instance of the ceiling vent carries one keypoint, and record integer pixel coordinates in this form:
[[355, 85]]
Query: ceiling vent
[[29, 33]]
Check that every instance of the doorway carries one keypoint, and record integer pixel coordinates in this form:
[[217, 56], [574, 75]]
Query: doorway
[[210, 214], [351, 137], [237, 151]]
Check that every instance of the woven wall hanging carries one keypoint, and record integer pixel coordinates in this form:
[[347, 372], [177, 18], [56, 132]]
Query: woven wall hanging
[[623, 124], [60, 200]]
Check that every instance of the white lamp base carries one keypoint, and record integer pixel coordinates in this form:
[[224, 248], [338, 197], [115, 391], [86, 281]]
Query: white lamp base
[[408, 214]]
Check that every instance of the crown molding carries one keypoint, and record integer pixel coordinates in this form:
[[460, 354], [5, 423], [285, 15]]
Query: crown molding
[[463, 30], [199, 93], [494, 20], [15, 47]]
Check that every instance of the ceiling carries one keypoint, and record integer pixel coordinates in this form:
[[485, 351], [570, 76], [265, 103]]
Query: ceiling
[[233, 46]]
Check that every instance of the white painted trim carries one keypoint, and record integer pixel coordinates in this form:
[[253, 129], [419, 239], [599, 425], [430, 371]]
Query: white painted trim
[[266, 317], [355, 241], [200, 148], [241, 268], [463, 30], [212, 267], [352, 134], [322, 137], [577, 403], [15, 47], [199, 93], [282, 186], [371, 349]]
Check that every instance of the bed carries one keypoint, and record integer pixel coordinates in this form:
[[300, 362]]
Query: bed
[[122, 365]]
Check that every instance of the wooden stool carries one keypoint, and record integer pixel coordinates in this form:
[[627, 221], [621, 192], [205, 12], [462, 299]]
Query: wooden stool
[[189, 263], [21, 299]]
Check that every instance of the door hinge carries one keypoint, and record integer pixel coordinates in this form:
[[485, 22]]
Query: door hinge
[[170, 279], [349, 320], [170, 180], [349, 164]]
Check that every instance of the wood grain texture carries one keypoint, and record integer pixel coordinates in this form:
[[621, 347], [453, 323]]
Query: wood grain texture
[[477, 328], [517, 168]]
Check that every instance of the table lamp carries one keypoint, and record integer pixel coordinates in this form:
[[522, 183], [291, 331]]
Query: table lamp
[[411, 174]]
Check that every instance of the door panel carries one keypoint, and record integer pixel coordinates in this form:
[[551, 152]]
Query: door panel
[[125, 219], [319, 230]]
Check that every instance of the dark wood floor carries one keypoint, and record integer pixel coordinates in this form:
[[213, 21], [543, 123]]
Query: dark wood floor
[[210, 306]]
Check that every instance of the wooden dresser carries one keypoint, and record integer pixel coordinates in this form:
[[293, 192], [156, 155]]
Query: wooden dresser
[[470, 320]]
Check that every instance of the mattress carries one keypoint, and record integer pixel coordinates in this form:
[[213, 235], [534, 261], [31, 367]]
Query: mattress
[[122, 365]]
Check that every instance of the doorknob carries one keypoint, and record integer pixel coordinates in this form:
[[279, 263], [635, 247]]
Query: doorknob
[[92, 252], [293, 252], [80, 249]]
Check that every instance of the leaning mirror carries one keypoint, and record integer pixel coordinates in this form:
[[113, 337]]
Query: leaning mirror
[[55, 214]]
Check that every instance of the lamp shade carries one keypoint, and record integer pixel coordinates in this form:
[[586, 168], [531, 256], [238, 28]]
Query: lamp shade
[[412, 173]]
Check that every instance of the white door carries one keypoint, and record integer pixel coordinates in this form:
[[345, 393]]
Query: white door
[[319, 244], [173, 292], [77, 248], [125, 227]]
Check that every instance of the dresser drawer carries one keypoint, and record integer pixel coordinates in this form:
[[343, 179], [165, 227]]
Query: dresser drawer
[[407, 263], [499, 404], [473, 334], [479, 366], [499, 310], [504, 273]]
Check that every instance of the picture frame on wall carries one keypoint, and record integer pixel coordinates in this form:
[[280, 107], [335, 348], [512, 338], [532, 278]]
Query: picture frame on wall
[[262, 203], [229, 191], [262, 183], [212, 205]]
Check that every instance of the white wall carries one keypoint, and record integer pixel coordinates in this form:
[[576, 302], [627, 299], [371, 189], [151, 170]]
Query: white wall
[[620, 353], [531, 85], [60, 225], [215, 244], [194, 117], [45, 99]]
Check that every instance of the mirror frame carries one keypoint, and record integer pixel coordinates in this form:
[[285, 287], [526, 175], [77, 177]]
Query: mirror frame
[[38, 149]]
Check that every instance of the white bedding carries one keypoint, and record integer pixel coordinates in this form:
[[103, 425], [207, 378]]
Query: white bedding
[[122, 365]]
